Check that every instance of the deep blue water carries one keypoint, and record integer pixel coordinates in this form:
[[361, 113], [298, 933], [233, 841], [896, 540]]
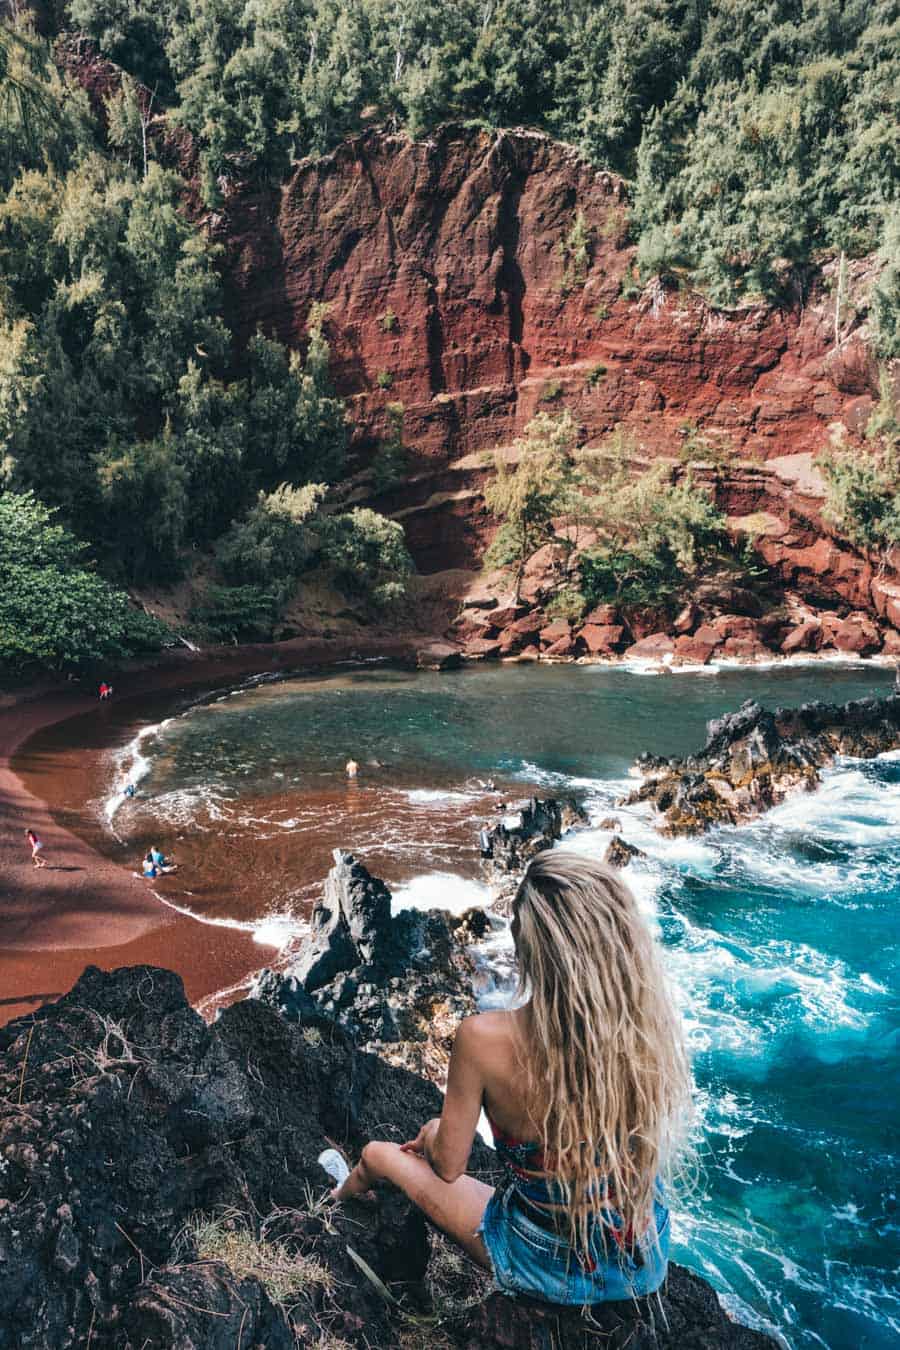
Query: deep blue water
[[781, 936]]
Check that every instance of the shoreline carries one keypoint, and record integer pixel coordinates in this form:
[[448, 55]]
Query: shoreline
[[86, 909]]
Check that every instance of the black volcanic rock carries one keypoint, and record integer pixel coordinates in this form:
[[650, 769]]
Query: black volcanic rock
[[525, 829], [400, 981], [754, 758], [122, 1115]]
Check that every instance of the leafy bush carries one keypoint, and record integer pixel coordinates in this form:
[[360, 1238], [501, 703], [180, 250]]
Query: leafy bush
[[656, 531], [627, 578], [575, 251], [567, 603], [551, 391], [55, 613], [886, 293], [863, 491], [368, 554], [389, 464], [277, 539], [384, 379], [527, 494], [238, 613], [595, 375]]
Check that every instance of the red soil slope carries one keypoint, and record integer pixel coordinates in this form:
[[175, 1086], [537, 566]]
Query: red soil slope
[[461, 237]]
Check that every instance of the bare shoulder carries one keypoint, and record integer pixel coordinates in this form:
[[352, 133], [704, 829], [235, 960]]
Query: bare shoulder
[[484, 1032]]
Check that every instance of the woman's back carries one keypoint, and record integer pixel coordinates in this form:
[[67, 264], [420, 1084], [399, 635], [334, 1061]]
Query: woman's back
[[498, 1041]]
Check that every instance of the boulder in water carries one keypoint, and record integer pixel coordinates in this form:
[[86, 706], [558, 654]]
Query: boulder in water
[[525, 829], [619, 852]]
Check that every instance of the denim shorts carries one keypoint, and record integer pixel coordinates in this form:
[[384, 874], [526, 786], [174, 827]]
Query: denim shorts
[[526, 1259]]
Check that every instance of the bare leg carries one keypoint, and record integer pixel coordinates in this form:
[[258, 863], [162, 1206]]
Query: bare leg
[[456, 1207]]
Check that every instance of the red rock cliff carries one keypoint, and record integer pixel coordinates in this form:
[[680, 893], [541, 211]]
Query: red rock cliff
[[445, 265]]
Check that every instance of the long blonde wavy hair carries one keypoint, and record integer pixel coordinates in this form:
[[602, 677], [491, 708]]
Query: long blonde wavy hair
[[608, 1083]]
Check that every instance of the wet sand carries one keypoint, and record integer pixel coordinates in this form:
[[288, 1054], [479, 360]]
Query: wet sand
[[84, 908]]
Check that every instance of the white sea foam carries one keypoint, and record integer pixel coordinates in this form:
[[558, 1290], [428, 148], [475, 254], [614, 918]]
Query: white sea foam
[[131, 766], [430, 795], [273, 930], [440, 890]]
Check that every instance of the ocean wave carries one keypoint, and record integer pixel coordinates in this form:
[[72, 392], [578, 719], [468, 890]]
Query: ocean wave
[[429, 796], [272, 930]]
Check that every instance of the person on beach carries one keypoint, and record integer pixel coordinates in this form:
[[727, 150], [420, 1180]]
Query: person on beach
[[105, 691], [37, 846], [159, 859], [149, 868], [587, 1090], [351, 768]]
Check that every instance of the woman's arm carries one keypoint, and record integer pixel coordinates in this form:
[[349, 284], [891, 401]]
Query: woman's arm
[[447, 1140]]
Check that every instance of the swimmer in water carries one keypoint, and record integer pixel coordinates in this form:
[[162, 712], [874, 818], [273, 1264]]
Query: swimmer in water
[[352, 768]]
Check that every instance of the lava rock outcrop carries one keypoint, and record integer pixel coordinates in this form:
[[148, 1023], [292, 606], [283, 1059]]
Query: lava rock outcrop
[[122, 1115], [754, 758], [397, 983]]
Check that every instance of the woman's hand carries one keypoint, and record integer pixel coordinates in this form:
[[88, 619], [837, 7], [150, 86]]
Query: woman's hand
[[423, 1139]]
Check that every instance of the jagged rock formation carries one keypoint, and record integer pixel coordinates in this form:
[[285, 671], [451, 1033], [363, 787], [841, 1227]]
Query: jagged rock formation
[[619, 852], [525, 829], [399, 984], [122, 1114], [754, 758]]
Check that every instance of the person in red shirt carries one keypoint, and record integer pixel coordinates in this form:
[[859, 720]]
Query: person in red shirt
[[36, 849]]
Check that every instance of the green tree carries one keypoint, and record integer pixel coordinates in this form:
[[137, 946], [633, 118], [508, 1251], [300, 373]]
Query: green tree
[[657, 529], [529, 489], [862, 497], [277, 539], [367, 553], [886, 292], [55, 613]]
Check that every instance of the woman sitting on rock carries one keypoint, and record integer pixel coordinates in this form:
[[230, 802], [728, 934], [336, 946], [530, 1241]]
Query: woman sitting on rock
[[587, 1091]]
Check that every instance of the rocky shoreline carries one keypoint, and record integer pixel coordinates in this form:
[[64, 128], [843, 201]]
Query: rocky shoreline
[[138, 1144], [753, 759], [729, 623]]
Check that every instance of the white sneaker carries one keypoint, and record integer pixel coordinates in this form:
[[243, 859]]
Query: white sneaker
[[335, 1165]]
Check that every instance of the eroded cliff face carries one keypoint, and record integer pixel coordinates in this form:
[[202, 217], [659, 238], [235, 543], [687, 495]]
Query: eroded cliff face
[[453, 288]]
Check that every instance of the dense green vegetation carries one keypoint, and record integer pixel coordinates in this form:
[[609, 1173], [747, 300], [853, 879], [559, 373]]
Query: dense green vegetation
[[54, 609], [757, 139], [756, 134], [612, 534], [123, 402]]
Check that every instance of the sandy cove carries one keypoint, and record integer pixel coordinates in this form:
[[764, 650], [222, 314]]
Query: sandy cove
[[82, 908]]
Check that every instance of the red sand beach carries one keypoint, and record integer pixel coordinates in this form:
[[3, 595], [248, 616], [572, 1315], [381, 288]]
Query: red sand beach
[[85, 909]]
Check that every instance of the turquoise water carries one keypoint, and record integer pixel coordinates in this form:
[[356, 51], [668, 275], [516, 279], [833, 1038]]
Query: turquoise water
[[781, 937]]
